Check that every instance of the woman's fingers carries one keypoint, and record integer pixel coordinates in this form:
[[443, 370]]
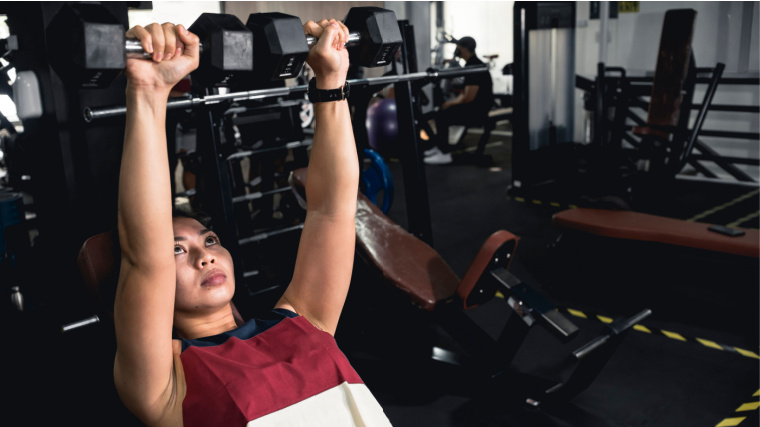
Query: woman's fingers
[[157, 34], [191, 43], [170, 40], [312, 28], [140, 33], [344, 32]]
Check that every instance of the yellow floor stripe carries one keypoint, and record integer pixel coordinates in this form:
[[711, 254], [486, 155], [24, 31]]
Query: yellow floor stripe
[[746, 353], [555, 204], [749, 407], [604, 319], [520, 199], [537, 202], [728, 422], [739, 221], [642, 328], [757, 393], [577, 313], [572, 206], [673, 335], [499, 295], [723, 206], [711, 344]]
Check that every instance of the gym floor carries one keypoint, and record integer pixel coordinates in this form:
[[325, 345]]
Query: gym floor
[[693, 362]]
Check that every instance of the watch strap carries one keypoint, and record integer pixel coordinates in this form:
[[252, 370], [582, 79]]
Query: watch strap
[[327, 95]]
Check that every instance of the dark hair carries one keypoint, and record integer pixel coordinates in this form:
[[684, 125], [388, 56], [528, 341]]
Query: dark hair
[[467, 42], [200, 216]]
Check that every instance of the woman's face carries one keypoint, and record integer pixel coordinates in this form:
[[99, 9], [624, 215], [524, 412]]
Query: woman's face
[[205, 278]]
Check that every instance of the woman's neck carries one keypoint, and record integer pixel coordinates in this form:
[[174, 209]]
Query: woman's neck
[[206, 325]]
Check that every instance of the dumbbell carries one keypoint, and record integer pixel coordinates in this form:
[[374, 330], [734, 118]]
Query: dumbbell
[[280, 48], [87, 47]]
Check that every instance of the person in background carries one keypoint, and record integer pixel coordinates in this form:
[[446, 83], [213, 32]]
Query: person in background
[[469, 108]]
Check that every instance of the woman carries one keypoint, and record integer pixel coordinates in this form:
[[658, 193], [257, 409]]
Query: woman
[[281, 370]]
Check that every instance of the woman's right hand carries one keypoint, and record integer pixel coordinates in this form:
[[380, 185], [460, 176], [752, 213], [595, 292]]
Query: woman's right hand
[[175, 54]]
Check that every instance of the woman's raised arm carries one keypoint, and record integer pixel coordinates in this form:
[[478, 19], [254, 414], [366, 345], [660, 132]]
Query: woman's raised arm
[[144, 306], [326, 252]]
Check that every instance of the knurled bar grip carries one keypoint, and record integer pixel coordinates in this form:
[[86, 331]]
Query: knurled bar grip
[[354, 39]]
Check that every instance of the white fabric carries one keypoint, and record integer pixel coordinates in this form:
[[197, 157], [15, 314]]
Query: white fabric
[[343, 405]]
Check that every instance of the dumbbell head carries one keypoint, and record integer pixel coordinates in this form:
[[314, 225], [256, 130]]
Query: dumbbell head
[[227, 49], [279, 45], [85, 45], [379, 39]]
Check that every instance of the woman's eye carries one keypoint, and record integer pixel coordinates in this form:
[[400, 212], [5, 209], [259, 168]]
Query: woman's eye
[[212, 240], [178, 249]]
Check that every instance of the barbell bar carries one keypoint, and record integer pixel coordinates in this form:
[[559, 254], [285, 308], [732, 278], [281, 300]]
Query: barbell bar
[[92, 114]]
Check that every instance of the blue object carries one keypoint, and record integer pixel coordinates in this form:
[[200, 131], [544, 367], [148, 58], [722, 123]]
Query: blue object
[[11, 213], [377, 178]]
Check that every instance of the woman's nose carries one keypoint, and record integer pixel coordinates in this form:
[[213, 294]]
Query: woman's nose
[[205, 259]]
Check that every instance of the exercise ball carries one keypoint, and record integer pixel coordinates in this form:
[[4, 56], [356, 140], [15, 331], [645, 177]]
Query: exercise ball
[[382, 126]]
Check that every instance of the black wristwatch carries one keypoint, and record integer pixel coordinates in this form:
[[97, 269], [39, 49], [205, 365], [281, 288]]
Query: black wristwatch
[[327, 95]]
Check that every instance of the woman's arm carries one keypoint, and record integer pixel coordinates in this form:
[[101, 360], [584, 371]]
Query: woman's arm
[[326, 252], [144, 304]]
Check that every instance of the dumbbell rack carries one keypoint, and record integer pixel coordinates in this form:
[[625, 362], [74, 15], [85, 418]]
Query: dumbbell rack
[[227, 194]]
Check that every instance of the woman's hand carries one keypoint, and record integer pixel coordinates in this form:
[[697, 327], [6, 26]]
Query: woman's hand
[[328, 58], [175, 54]]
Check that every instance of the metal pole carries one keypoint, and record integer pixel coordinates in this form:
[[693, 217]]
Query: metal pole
[[413, 168], [604, 20], [91, 114]]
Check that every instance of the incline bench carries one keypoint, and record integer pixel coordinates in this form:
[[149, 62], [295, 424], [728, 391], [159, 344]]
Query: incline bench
[[652, 228], [418, 271]]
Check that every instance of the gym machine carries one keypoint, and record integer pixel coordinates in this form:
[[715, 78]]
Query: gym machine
[[544, 74], [625, 156]]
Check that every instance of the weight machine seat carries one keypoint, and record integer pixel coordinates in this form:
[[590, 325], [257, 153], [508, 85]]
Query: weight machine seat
[[652, 228], [404, 260], [409, 263], [98, 264]]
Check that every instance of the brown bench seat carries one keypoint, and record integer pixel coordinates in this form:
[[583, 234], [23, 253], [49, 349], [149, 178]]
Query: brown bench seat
[[409, 263], [652, 228]]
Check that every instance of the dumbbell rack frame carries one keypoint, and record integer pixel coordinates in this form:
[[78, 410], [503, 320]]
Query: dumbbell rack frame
[[218, 200]]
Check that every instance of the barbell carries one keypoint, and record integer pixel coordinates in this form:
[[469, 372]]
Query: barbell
[[189, 102]]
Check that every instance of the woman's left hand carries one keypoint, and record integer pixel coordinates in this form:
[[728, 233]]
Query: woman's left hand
[[329, 57]]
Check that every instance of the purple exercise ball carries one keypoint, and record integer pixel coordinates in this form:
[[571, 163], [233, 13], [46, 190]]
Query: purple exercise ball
[[382, 125]]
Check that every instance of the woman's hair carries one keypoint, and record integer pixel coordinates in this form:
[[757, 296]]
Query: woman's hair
[[200, 216]]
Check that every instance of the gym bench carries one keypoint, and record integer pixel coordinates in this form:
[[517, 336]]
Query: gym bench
[[494, 117], [418, 271], [652, 228]]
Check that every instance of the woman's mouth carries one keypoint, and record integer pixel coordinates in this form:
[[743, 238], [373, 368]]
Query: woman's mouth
[[214, 278]]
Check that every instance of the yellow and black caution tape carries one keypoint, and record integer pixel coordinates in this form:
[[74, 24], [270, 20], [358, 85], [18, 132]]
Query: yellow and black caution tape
[[723, 206], [670, 334], [541, 202], [743, 219], [741, 413]]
